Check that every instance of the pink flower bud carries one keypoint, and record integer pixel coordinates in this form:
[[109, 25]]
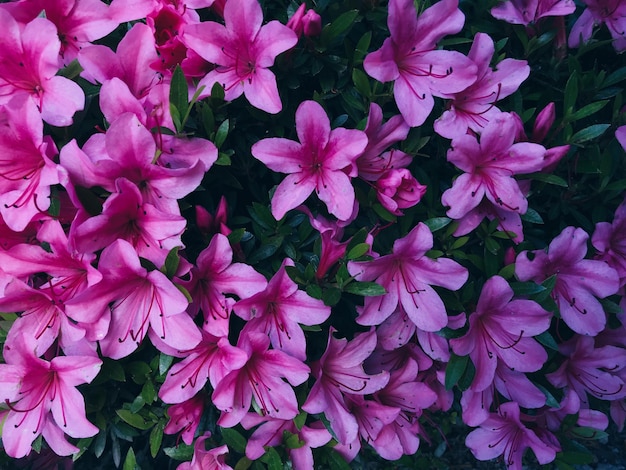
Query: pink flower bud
[[312, 23], [544, 121], [296, 21], [398, 189]]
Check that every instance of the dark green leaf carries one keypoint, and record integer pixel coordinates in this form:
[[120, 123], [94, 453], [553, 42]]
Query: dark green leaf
[[547, 340], [437, 223], [71, 71], [130, 462], [615, 77], [589, 433], [358, 251], [331, 296], [455, 370], [181, 452], [165, 362], [171, 263], [545, 178], [588, 110], [337, 462], [314, 291], [156, 437], [366, 289], [272, 459], [531, 216], [550, 400], [217, 92], [222, 133], [208, 120], [339, 26], [589, 133], [179, 93], [135, 420], [571, 93], [361, 82], [234, 440], [526, 288]]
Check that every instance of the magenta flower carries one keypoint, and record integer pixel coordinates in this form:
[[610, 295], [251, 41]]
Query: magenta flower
[[243, 51], [505, 434], [43, 400], [502, 329], [30, 61], [307, 22], [610, 12], [610, 241], [578, 281], [398, 189], [213, 278], [620, 135], [185, 417], [489, 167], [591, 370], [340, 372], [203, 459], [278, 312], [260, 378], [128, 302], [407, 275], [409, 57], [530, 11], [474, 107], [323, 162], [26, 167]]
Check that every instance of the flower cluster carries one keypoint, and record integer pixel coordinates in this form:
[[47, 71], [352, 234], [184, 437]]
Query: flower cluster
[[318, 228]]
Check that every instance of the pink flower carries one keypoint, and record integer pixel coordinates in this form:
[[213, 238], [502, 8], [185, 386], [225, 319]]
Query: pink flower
[[30, 61], [610, 12], [305, 21], [340, 372], [26, 167], [128, 302], [242, 51], [42, 399], [262, 378], [409, 57], [610, 241], [398, 189], [278, 311], [501, 329], [530, 11], [474, 107], [203, 459], [489, 167], [407, 275], [620, 135], [578, 281], [186, 417], [505, 434], [323, 162]]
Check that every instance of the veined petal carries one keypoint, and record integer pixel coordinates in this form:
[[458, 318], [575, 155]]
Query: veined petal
[[280, 155], [335, 189], [262, 91], [243, 19], [456, 198], [292, 192], [413, 98], [273, 39], [381, 64]]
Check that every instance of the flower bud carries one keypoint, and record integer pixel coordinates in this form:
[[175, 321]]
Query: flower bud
[[398, 189], [544, 121], [312, 24]]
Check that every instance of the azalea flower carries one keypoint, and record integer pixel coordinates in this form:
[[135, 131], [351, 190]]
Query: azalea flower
[[407, 274], [185, 417], [489, 167], [501, 329], [474, 107], [398, 189], [30, 62], [339, 372], [278, 311], [610, 241], [260, 378], [610, 12], [409, 57], [323, 162], [43, 400], [243, 51], [203, 459], [505, 434], [578, 281], [530, 11]]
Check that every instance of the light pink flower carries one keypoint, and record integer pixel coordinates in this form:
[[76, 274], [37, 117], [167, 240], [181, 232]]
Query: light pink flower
[[408, 274], [578, 281], [323, 161], [243, 51], [409, 57], [474, 107]]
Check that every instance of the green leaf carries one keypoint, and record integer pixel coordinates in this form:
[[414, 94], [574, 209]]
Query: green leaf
[[588, 110], [592, 434], [589, 133], [156, 438], [362, 46], [148, 392], [550, 400], [366, 289], [222, 133], [223, 159], [526, 288], [571, 93], [314, 291], [615, 77], [165, 362], [361, 82], [531, 216], [130, 462], [244, 463], [272, 459], [547, 340], [217, 92], [331, 296], [208, 120], [544, 178], [71, 71], [139, 371], [455, 370], [181, 452], [234, 440], [337, 462], [358, 251], [179, 94], [339, 26], [437, 223], [171, 263], [135, 420]]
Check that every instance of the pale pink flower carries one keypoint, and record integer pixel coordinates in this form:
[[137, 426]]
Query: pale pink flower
[[408, 274], [243, 51], [323, 161], [409, 57]]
